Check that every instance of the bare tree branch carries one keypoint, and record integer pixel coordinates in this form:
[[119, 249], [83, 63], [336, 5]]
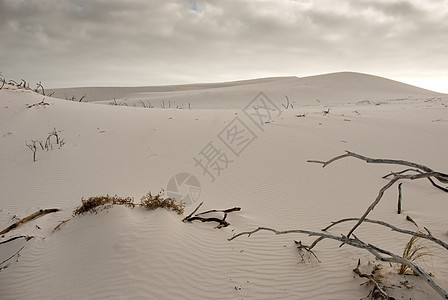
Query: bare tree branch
[[29, 218], [394, 228], [355, 242], [442, 177]]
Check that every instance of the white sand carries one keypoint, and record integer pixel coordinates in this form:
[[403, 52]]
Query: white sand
[[134, 253]]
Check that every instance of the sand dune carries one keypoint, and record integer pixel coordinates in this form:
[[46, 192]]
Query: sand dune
[[123, 253], [344, 87]]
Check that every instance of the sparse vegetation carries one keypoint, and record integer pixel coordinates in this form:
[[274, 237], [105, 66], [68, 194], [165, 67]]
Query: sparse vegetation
[[73, 98], [98, 203], [115, 103], [48, 143], [146, 105], [288, 104], [413, 251], [22, 85], [151, 202]]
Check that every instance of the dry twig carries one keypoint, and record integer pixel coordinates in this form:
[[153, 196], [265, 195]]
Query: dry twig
[[29, 218], [379, 253]]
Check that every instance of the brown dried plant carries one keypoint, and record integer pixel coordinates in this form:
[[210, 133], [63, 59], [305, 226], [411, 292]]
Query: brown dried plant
[[413, 251], [151, 202], [98, 203]]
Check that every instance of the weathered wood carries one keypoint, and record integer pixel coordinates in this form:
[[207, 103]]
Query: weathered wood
[[355, 242], [39, 103], [394, 228], [222, 222], [220, 210], [192, 213], [60, 225], [399, 198], [428, 173], [29, 218], [442, 177]]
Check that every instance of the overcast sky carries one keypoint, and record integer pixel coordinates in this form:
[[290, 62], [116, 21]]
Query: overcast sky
[[66, 43]]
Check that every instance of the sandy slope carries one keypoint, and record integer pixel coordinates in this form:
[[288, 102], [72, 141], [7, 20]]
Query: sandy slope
[[133, 253]]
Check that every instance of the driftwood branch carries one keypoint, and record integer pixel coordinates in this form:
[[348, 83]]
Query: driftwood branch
[[60, 225], [27, 238], [422, 172], [355, 242], [39, 103], [192, 213], [221, 222], [39, 85], [428, 236], [442, 177], [399, 198], [220, 210], [29, 218]]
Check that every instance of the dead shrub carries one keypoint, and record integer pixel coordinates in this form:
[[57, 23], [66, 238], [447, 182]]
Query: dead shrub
[[151, 202], [98, 203]]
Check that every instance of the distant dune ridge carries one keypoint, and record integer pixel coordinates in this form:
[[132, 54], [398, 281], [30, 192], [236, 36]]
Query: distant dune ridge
[[330, 88], [133, 253]]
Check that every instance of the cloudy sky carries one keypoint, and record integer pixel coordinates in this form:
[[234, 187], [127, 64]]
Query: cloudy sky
[[152, 42]]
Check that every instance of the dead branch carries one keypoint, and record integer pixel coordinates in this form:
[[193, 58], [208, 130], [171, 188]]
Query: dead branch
[[355, 242], [399, 198], [301, 247], [440, 176], [60, 225], [221, 222], [220, 210], [394, 228], [376, 288], [384, 188], [27, 238], [29, 218], [420, 172], [33, 148], [287, 103], [39, 103], [39, 85], [192, 213], [408, 218], [396, 177]]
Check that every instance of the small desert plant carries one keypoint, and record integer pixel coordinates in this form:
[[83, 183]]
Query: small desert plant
[[288, 104], [33, 147], [94, 204], [73, 98], [413, 251], [145, 105], [151, 202]]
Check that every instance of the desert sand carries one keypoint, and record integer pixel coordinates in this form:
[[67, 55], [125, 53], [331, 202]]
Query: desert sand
[[114, 145]]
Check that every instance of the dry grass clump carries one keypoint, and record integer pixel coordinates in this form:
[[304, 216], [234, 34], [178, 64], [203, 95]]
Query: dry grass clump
[[413, 251], [94, 204], [151, 202]]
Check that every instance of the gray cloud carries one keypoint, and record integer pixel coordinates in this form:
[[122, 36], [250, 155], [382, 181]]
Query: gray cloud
[[73, 43]]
